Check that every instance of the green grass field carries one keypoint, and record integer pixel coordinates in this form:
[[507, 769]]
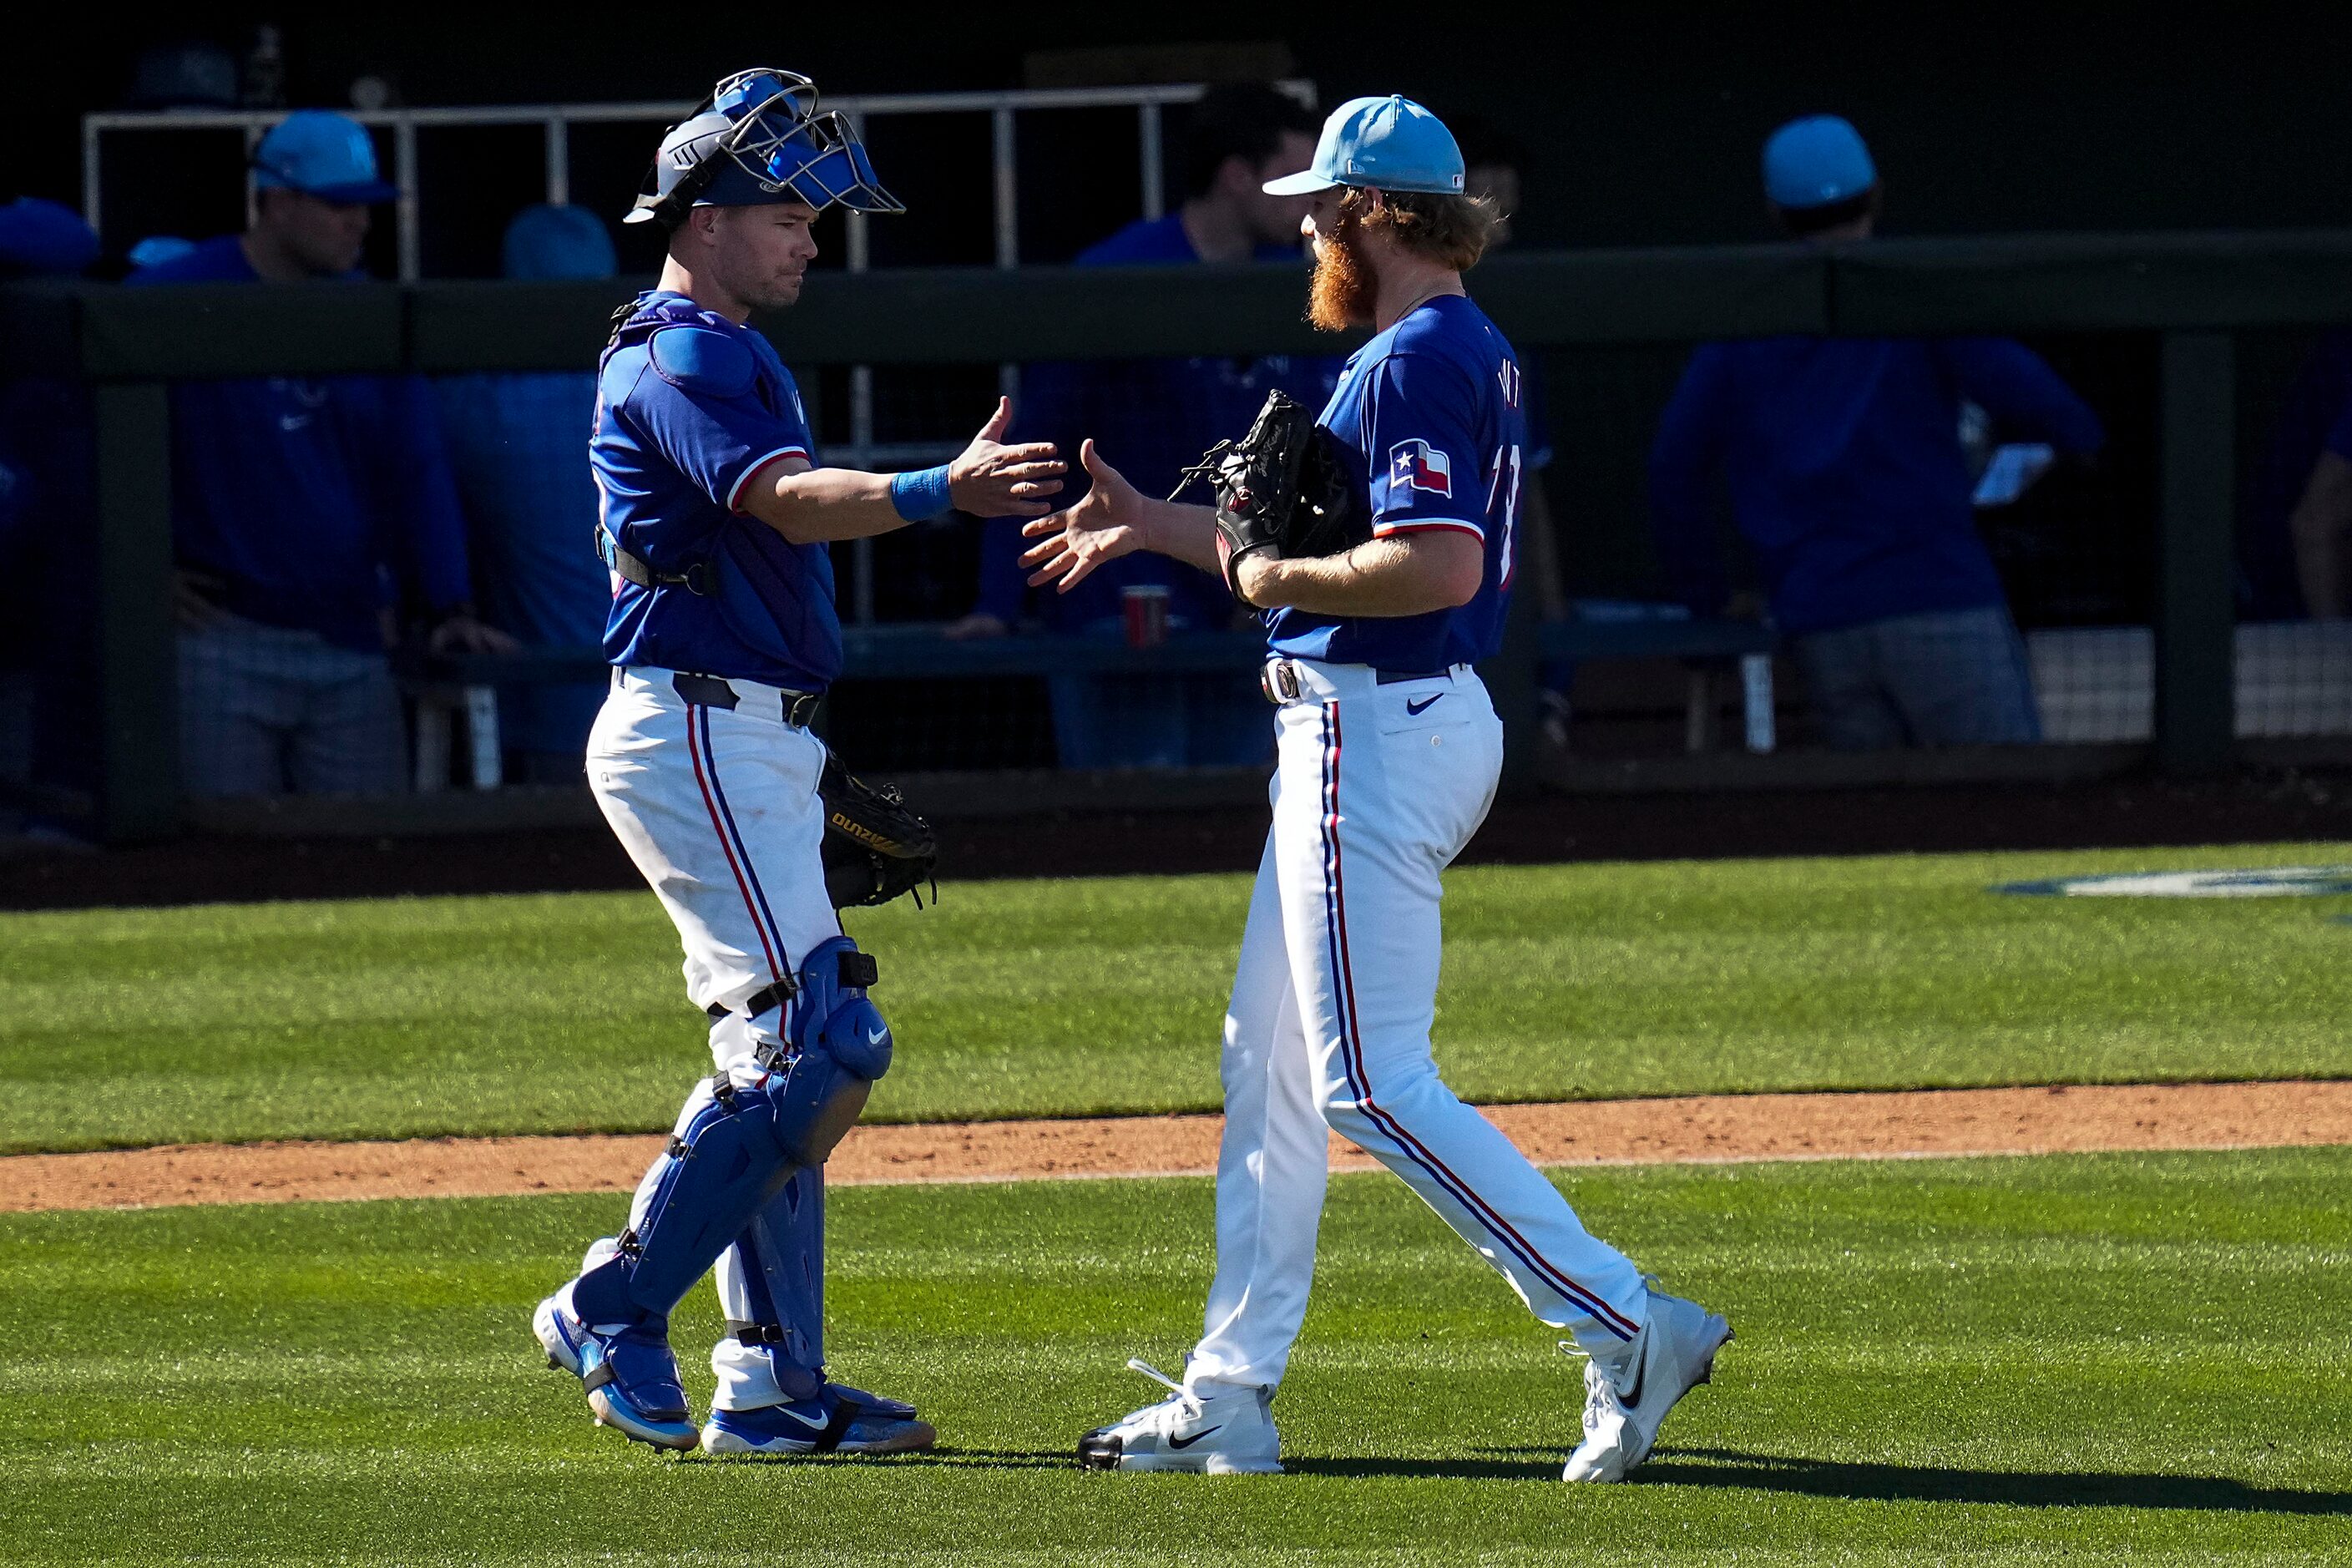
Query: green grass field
[[2092, 1359], [558, 1014]]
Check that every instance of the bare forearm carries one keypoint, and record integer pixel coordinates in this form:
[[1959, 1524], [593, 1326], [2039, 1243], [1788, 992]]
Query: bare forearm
[[1186, 533], [1380, 578], [816, 505]]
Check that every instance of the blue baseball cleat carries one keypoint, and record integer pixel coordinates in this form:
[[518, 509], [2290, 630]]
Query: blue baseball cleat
[[630, 1374], [838, 1420]]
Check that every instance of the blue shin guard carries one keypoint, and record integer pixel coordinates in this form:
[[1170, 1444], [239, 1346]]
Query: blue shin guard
[[771, 1287], [736, 1148]]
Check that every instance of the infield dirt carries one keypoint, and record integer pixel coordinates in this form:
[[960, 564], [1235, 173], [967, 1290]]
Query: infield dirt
[[1700, 1129]]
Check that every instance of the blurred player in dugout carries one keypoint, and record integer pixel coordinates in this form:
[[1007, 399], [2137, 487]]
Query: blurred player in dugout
[[1160, 414], [514, 441], [2296, 557], [48, 463], [1847, 479], [307, 512]]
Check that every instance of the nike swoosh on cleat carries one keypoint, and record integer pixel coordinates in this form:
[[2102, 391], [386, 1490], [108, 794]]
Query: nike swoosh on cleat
[[1415, 709], [1188, 1442], [879, 1035], [818, 1424]]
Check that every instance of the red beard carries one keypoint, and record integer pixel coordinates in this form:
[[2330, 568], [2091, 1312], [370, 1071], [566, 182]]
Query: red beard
[[1343, 291]]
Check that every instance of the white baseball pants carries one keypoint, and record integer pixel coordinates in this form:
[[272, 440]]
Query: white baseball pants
[[1376, 789], [719, 808]]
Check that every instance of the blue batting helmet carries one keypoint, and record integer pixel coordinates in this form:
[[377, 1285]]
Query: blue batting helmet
[[757, 139]]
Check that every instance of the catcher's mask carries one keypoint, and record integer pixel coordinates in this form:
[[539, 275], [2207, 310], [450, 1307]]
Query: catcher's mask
[[757, 139]]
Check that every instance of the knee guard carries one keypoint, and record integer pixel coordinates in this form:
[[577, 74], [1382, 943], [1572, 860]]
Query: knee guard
[[839, 1045]]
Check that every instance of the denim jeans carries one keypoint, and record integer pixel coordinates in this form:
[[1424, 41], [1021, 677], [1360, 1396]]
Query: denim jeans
[[1951, 678]]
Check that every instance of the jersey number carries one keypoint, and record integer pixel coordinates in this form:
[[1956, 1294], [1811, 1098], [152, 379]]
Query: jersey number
[[1506, 482]]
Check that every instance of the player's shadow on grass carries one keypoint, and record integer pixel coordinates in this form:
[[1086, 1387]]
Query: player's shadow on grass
[[2025, 1489], [1730, 1468]]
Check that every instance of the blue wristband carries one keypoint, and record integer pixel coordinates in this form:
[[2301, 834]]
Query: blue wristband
[[922, 494]]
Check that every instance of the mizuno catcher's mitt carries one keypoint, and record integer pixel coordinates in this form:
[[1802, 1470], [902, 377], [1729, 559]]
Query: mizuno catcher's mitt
[[874, 847], [1280, 488]]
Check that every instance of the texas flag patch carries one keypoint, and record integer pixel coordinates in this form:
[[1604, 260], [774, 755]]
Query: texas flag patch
[[1423, 467]]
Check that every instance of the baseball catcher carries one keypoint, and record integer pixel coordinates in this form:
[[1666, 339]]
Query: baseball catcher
[[715, 521]]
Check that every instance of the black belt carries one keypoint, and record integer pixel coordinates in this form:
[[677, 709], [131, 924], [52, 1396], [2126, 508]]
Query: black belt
[[709, 691], [1279, 681]]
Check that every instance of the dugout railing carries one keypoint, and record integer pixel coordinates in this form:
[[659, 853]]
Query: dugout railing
[[2192, 292]]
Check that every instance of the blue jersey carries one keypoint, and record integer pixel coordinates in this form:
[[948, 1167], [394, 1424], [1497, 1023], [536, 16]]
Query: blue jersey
[[303, 497], [1847, 477], [1430, 422], [689, 407]]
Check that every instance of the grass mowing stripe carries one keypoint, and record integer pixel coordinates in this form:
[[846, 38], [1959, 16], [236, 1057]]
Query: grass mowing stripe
[[2107, 1358], [553, 1013]]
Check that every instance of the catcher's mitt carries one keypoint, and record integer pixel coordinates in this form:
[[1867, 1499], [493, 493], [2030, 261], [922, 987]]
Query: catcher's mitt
[[875, 846], [1280, 488]]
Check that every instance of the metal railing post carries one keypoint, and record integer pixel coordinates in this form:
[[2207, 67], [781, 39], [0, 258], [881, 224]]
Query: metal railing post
[[559, 161], [93, 182], [1147, 124], [858, 241], [2196, 619], [138, 669], [1006, 161], [403, 160]]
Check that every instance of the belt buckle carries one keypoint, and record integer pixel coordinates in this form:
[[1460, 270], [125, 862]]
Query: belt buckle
[[1279, 681]]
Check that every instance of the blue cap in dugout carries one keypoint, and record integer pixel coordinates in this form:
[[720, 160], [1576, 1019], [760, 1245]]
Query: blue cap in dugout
[[1391, 143], [759, 140], [322, 155], [1816, 161]]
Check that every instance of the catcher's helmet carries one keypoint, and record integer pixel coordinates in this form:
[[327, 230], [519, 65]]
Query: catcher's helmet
[[757, 139]]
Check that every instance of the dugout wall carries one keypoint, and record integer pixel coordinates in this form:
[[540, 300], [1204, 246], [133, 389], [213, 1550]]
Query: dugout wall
[[2195, 297]]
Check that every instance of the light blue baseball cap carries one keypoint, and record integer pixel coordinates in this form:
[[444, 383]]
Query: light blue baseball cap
[[1816, 161], [550, 242], [323, 155], [1390, 142]]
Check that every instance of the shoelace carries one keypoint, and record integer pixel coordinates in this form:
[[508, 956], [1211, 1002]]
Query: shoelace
[[1600, 1393], [1191, 1404]]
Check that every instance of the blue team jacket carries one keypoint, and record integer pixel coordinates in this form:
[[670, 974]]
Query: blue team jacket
[[1842, 461], [304, 496]]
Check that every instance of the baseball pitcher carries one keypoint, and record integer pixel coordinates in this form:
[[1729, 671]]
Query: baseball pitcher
[[723, 637], [1379, 541]]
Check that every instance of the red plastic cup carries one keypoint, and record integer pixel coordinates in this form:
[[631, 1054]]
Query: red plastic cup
[[1146, 607]]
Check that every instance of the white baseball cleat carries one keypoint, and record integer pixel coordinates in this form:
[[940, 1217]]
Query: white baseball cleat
[[1226, 1433], [1674, 1354]]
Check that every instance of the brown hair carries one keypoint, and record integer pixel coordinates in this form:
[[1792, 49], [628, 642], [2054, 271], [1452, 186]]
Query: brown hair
[[1451, 230]]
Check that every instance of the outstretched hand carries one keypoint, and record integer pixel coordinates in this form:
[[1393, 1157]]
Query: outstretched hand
[[1107, 524], [991, 479]]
